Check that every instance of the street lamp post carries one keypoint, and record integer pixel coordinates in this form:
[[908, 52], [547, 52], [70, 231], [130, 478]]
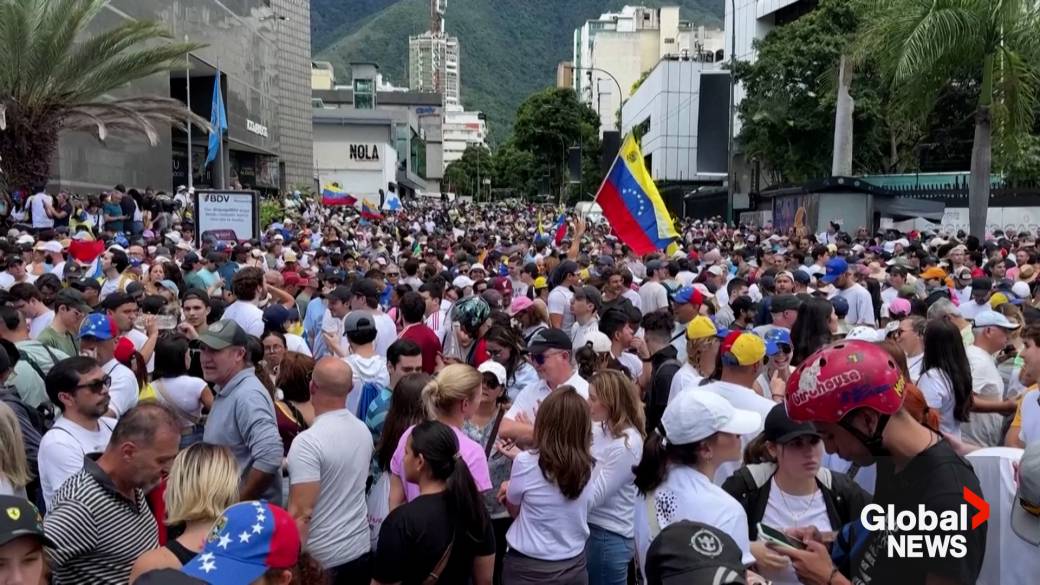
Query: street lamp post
[[621, 95], [563, 156]]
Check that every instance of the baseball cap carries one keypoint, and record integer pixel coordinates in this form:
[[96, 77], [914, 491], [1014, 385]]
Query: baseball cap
[[540, 283], [898, 306], [246, 541], [865, 333], [781, 303], [20, 518], [135, 290], [589, 294], [1021, 290], [366, 287], [779, 428], [802, 277], [688, 294], [275, 317], [835, 268], [653, 265], [224, 334], [166, 577], [994, 319], [548, 338], [495, 368], [98, 326], [1025, 515], [463, 281], [599, 341], [358, 321], [519, 304], [695, 415], [694, 553], [292, 278], [740, 348], [51, 246], [72, 298], [774, 338], [503, 285], [981, 284], [700, 327], [934, 273]]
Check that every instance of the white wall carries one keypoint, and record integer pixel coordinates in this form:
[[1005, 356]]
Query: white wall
[[332, 160]]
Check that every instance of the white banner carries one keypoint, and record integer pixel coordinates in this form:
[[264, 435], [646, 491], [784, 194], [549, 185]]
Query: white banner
[[227, 215]]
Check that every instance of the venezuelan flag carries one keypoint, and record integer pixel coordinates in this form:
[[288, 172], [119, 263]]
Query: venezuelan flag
[[333, 194], [369, 210], [560, 229], [632, 205]]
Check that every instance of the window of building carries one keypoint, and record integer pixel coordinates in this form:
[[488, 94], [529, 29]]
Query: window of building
[[364, 94]]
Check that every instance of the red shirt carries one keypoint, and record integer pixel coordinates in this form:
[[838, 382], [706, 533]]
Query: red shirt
[[427, 340]]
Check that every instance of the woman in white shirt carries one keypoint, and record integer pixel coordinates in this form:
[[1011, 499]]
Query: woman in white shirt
[[946, 378], [617, 444], [550, 491], [187, 395], [698, 432], [14, 468]]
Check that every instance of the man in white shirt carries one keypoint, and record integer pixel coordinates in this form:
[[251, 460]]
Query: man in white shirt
[[550, 353], [861, 307], [248, 286], [981, 290], [77, 388], [616, 324], [653, 296], [15, 272], [560, 315], [436, 314], [327, 493], [42, 206], [991, 330], [910, 338], [584, 304], [27, 299], [98, 337], [742, 355], [123, 310], [366, 294]]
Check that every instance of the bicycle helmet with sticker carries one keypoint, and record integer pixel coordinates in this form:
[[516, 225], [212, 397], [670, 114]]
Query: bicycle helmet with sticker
[[843, 377], [470, 313]]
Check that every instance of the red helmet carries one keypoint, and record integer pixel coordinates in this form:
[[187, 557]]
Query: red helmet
[[842, 377]]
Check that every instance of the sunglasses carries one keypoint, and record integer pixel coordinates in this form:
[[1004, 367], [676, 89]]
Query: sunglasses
[[539, 358], [393, 274], [97, 386]]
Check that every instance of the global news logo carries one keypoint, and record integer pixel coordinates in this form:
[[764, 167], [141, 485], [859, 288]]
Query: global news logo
[[923, 533]]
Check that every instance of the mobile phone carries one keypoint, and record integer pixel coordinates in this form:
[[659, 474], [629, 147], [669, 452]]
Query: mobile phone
[[777, 537]]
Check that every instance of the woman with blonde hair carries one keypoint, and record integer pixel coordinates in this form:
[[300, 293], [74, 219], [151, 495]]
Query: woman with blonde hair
[[203, 481], [617, 445], [14, 467], [550, 492], [702, 347], [451, 398]]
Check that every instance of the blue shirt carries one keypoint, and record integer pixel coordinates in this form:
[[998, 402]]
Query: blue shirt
[[312, 327]]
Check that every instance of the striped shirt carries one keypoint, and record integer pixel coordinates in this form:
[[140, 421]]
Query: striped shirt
[[98, 533]]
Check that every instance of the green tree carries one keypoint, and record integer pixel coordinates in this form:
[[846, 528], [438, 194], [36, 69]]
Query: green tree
[[517, 170], [463, 176], [548, 123], [925, 45], [54, 77]]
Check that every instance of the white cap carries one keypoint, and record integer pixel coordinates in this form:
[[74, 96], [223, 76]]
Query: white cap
[[703, 289], [599, 340], [51, 246], [698, 414], [864, 333], [25, 239], [994, 319], [1021, 289], [495, 368], [716, 270], [478, 266], [462, 281]]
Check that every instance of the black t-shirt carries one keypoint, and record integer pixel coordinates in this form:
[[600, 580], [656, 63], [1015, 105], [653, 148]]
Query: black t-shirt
[[935, 478], [413, 539]]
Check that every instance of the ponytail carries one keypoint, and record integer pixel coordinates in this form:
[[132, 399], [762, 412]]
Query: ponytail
[[658, 452], [587, 360], [439, 447], [452, 385]]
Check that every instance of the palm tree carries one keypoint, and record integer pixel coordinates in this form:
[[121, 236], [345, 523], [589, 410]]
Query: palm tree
[[925, 45], [54, 77]]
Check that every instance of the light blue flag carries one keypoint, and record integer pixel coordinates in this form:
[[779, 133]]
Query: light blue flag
[[217, 119]]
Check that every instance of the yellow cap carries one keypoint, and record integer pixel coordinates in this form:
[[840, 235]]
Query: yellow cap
[[700, 327], [540, 283], [997, 299]]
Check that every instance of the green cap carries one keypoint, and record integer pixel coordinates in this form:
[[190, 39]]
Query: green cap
[[18, 518], [224, 334]]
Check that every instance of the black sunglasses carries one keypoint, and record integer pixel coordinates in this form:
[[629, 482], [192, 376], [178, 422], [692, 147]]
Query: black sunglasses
[[97, 386]]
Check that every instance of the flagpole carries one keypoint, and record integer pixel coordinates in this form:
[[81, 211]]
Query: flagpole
[[187, 78]]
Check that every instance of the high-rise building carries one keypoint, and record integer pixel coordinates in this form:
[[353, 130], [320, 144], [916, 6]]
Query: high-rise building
[[433, 66], [461, 130], [628, 44], [294, 103]]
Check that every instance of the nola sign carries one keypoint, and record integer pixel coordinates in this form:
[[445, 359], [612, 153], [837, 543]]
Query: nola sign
[[365, 156]]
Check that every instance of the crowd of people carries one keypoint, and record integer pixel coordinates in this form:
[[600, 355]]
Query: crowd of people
[[449, 394]]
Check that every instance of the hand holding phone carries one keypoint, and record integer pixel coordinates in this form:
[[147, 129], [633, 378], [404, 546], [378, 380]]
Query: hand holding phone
[[777, 537]]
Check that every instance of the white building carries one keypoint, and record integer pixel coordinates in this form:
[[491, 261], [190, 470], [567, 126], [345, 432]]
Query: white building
[[629, 43], [682, 111], [433, 66], [461, 129]]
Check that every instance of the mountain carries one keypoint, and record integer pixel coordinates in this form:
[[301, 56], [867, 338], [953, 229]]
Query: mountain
[[510, 49]]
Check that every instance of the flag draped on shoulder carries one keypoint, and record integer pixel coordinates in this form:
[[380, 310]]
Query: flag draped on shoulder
[[632, 205]]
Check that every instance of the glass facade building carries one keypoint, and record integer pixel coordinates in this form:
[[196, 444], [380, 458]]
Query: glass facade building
[[262, 51]]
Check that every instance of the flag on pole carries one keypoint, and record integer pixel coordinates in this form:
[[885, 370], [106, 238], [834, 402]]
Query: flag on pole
[[632, 205], [369, 210], [332, 194], [218, 120], [560, 228]]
